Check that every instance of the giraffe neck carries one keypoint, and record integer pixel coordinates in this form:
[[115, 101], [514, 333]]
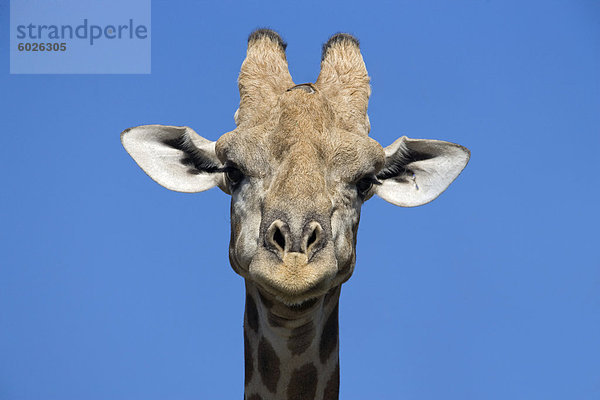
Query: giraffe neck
[[291, 353]]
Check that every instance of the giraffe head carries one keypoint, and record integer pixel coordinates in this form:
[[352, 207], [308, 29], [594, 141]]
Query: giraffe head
[[298, 167]]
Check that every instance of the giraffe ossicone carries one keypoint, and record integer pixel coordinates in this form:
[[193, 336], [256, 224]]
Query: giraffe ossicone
[[298, 166]]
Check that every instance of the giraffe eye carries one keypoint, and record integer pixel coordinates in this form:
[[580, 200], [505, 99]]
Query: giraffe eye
[[234, 175], [365, 184]]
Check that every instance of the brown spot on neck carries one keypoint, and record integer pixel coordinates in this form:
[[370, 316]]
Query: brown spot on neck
[[301, 338], [248, 361], [303, 383], [332, 389], [329, 336], [268, 365], [251, 313]]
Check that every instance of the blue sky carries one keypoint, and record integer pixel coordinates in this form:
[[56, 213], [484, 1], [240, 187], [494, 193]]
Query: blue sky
[[112, 287]]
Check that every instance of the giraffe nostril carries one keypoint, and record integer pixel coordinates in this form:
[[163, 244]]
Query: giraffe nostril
[[278, 238], [312, 238]]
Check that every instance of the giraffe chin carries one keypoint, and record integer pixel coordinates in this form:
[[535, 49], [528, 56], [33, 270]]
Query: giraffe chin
[[293, 280]]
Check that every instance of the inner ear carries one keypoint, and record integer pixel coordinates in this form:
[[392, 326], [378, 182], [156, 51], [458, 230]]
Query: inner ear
[[397, 165], [416, 171], [175, 157], [197, 159]]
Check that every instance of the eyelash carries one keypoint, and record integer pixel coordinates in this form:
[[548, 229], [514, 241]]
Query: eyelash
[[235, 176]]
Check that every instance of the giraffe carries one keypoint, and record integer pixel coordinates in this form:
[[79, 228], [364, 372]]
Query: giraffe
[[298, 166]]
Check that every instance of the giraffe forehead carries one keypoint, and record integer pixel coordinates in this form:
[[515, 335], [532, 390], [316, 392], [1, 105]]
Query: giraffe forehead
[[302, 129], [304, 110]]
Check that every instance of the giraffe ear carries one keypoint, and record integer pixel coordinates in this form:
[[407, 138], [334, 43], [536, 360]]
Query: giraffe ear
[[417, 171], [175, 157]]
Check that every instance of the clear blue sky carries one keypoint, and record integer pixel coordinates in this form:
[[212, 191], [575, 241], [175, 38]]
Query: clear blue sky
[[112, 287]]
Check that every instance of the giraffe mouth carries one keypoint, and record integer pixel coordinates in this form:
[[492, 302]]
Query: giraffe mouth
[[292, 286], [296, 300], [288, 311], [294, 278]]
